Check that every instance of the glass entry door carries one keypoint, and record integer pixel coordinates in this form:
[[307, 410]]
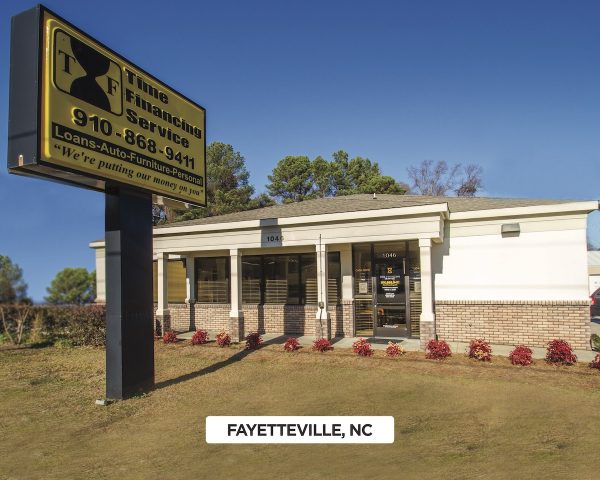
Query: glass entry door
[[363, 291], [380, 295], [390, 288]]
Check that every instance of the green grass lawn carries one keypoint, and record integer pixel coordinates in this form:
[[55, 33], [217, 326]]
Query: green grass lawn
[[454, 419]]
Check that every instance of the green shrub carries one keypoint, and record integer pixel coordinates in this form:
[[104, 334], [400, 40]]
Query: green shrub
[[81, 324], [595, 342], [63, 343]]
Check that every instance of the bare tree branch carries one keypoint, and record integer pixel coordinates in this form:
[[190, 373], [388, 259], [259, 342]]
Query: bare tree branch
[[437, 179], [21, 314], [5, 326], [471, 182]]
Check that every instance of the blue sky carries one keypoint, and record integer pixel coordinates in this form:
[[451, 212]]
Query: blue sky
[[513, 86]]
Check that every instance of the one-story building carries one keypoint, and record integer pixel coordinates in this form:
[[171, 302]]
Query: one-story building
[[512, 271]]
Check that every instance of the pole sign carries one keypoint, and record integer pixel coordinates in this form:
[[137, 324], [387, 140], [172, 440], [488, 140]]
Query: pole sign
[[98, 118], [81, 114]]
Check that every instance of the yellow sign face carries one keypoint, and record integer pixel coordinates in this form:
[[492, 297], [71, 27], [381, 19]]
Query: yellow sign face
[[105, 118]]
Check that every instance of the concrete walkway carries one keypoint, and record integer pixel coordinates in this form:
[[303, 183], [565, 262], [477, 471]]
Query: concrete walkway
[[379, 343], [409, 344]]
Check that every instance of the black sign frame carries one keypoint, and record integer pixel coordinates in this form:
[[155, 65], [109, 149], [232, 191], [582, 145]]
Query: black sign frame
[[25, 97]]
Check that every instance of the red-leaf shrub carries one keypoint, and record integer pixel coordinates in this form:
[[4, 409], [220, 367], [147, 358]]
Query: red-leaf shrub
[[595, 363], [200, 337], [223, 339], [394, 350], [362, 347], [253, 341], [521, 355], [322, 345], [291, 344], [559, 351], [437, 350], [169, 337], [480, 350]]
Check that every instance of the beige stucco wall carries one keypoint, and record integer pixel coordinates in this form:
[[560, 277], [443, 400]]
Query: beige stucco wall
[[547, 260]]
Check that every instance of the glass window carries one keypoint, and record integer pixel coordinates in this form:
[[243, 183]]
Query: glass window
[[251, 279], [282, 279], [308, 267], [287, 279], [175, 281], [279, 279], [212, 279], [334, 270], [363, 287], [293, 279]]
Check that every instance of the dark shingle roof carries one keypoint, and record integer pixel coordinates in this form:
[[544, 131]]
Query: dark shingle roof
[[363, 202]]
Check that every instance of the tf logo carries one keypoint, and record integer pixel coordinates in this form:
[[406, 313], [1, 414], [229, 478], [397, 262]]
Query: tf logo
[[83, 72]]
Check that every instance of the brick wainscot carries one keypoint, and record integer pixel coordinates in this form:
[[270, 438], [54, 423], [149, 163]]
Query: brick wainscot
[[532, 323], [274, 319]]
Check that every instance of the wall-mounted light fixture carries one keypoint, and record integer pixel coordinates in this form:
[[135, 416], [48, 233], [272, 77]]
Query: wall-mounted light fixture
[[511, 229]]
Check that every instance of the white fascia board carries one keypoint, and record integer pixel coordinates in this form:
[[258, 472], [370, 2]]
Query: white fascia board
[[101, 244], [440, 208], [172, 256], [573, 207]]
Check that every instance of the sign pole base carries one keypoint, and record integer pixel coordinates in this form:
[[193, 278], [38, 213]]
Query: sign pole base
[[129, 299]]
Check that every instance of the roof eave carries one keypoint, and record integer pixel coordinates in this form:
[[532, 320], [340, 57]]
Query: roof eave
[[439, 208], [559, 208]]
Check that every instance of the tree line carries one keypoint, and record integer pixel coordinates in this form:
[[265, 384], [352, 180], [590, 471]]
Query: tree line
[[296, 178], [71, 286]]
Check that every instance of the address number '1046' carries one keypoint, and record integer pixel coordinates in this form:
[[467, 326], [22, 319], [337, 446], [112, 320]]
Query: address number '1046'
[[274, 238]]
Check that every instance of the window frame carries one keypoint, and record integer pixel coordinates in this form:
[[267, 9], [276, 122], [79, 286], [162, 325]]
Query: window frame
[[300, 277], [338, 255], [197, 261]]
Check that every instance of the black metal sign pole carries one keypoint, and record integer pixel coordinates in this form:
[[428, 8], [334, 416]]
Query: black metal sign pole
[[129, 302]]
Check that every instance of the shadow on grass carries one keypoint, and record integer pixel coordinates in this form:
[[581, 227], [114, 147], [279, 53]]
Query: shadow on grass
[[236, 357], [26, 346]]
